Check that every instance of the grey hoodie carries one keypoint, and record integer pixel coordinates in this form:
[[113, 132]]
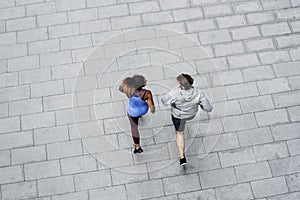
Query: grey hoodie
[[185, 103]]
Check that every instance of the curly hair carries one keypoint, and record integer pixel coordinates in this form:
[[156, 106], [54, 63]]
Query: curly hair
[[139, 81]]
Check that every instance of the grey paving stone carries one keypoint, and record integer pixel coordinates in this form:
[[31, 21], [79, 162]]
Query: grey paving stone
[[269, 187], [10, 124], [11, 174], [259, 44], [252, 45], [116, 192], [20, 190], [8, 38], [143, 7], [20, 63], [231, 21], [293, 182], [254, 104], [34, 75], [201, 194], [56, 185], [45, 46], [226, 108], [40, 170], [40, 8], [72, 196], [239, 33], [64, 30], [165, 168], [55, 58], [226, 78], [286, 69], [218, 177], [294, 53], [3, 109], [64, 149], [92, 180], [32, 35], [255, 136], [100, 144], [271, 86], [86, 129], [27, 106], [13, 12], [288, 41], [294, 82], [147, 189], [241, 90], [217, 36], [72, 115], [16, 139], [254, 171], [293, 147], [220, 142], [187, 14], [152, 153], [114, 159], [37, 120], [269, 5], [50, 135], [284, 166], [271, 117], [78, 164], [172, 197], [201, 163], [228, 49], [181, 184], [289, 196], [237, 157], [238, 123], [28, 154], [275, 29], [240, 191], [286, 99], [5, 158], [14, 93], [47, 88], [270, 151], [285, 131], [217, 10], [118, 23], [129, 174]]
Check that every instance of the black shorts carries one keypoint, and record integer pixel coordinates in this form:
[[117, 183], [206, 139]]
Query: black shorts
[[179, 124]]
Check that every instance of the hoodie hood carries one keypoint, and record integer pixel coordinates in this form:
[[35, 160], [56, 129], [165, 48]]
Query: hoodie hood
[[187, 95]]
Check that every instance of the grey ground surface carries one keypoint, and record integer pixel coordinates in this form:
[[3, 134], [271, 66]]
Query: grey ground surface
[[64, 133]]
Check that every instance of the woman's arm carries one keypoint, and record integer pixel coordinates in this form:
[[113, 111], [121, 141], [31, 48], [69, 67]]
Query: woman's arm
[[149, 99]]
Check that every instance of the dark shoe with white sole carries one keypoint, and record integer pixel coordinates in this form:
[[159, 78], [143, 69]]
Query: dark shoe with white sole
[[138, 150], [182, 161]]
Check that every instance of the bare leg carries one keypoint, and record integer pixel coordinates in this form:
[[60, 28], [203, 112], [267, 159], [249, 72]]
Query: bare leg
[[180, 143]]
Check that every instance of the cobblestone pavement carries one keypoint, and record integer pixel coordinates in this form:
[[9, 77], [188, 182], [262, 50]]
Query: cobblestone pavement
[[64, 133]]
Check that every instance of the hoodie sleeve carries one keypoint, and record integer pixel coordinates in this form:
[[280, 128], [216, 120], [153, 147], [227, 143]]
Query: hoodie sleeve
[[204, 103], [168, 98]]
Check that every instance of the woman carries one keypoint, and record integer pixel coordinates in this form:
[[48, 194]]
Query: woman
[[184, 102], [140, 100]]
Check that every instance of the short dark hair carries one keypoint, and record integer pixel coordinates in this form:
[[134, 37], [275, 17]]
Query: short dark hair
[[185, 80]]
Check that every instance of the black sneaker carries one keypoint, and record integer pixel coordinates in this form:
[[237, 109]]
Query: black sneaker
[[138, 150], [182, 161]]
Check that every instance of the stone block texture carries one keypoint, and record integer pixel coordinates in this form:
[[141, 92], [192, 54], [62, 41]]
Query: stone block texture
[[64, 130]]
